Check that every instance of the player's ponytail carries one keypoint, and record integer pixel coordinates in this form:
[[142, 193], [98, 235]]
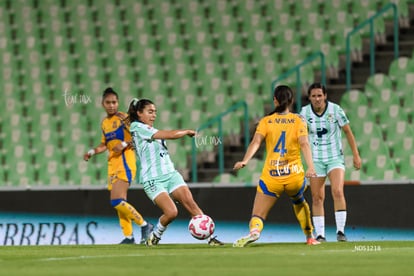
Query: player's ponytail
[[284, 96]]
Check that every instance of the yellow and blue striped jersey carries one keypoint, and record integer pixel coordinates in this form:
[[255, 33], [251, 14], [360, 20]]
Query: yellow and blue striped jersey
[[281, 133]]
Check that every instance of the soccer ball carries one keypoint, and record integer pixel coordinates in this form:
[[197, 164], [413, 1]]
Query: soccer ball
[[201, 227]]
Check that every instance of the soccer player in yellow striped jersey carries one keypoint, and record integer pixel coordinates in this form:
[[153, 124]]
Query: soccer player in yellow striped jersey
[[286, 136], [116, 138]]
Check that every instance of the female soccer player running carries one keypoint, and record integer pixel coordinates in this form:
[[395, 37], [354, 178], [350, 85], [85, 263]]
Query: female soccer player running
[[286, 135], [163, 184], [121, 166]]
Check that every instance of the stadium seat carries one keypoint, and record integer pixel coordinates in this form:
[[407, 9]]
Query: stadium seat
[[401, 145], [20, 155], [406, 165], [167, 119], [353, 98], [292, 55], [338, 15], [217, 100], [404, 88], [306, 7], [19, 173], [329, 8], [365, 132], [379, 167], [251, 173], [403, 12], [395, 129], [403, 82], [376, 83], [281, 6], [390, 99], [391, 116], [331, 55], [400, 66], [362, 10], [358, 113], [178, 155], [310, 20], [265, 68]]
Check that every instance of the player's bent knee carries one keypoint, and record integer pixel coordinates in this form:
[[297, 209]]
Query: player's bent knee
[[171, 214]]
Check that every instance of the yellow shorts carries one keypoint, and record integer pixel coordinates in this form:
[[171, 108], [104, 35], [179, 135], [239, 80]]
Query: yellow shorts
[[121, 168], [293, 186]]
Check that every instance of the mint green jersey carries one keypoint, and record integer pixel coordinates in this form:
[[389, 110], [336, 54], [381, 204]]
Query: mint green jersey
[[153, 156], [325, 131]]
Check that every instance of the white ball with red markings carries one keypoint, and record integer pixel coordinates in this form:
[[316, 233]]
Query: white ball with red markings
[[201, 227]]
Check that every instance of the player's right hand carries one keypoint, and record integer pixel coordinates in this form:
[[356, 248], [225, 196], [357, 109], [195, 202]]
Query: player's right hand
[[239, 165]]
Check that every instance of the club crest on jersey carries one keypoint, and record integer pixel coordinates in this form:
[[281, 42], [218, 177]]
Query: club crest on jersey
[[331, 118]]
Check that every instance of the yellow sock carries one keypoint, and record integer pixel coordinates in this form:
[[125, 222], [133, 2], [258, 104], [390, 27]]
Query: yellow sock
[[256, 224], [302, 212], [129, 211], [126, 224]]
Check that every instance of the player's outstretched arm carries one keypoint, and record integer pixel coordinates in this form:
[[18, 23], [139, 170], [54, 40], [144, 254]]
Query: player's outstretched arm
[[250, 152], [173, 134], [100, 148]]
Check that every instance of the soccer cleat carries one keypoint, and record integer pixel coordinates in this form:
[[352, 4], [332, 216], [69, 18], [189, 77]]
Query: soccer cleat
[[213, 241], [340, 236], [321, 238], [312, 241], [128, 241], [145, 232], [243, 241], [152, 240]]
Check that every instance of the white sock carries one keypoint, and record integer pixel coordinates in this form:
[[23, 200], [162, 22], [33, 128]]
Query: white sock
[[144, 224], [159, 230], [340, 218], [319, 224]]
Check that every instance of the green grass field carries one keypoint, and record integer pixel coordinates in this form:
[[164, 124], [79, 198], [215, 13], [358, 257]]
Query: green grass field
[[333, 258]]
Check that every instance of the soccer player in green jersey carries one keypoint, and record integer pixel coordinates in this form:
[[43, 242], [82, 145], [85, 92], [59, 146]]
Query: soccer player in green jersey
[[163, 184], [325, 121]]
